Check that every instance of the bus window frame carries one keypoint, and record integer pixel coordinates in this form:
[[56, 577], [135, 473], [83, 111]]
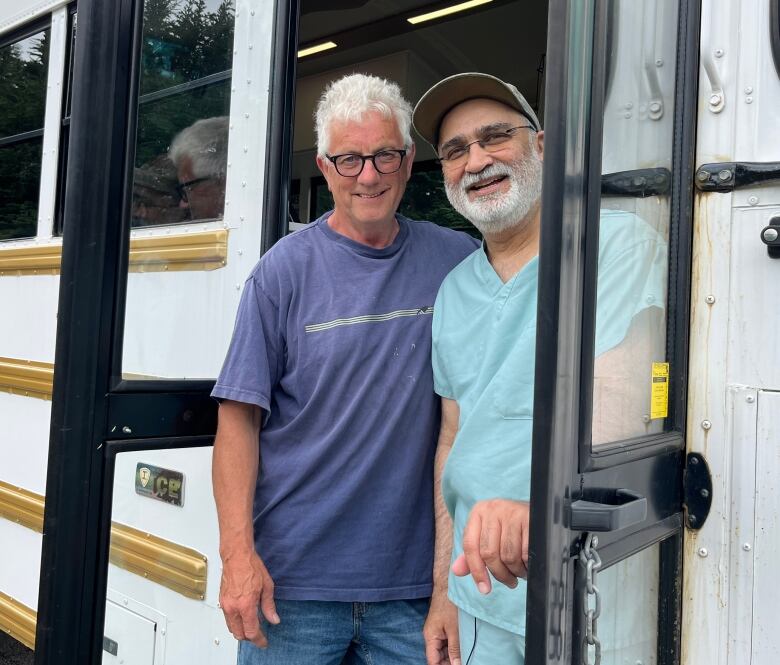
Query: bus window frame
[[680, 234], [774, 32]]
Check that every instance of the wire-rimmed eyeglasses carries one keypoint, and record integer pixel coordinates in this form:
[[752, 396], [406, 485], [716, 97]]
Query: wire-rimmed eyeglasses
[[350, 164], [455, 155]]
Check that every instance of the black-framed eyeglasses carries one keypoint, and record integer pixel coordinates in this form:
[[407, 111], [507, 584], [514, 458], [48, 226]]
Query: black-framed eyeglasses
[[456, 155], [350, 165], [182, 189]]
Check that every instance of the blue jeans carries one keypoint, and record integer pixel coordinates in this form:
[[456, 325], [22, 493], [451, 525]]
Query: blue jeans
[[315, 632]]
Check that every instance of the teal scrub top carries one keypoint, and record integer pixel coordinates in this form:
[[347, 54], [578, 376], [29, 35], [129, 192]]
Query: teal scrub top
[[484, 344]]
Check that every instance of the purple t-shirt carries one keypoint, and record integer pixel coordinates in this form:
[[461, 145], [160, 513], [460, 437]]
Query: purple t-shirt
[[333, 341]]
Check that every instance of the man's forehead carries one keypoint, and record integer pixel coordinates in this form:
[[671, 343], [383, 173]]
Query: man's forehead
[[471, 116]]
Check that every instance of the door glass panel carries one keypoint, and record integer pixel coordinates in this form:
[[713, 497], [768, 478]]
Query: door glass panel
[[163, 574], [178, 314], [628, 625], [630, 389]]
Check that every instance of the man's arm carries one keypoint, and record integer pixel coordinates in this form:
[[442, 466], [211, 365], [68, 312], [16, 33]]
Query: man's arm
[[441, 626], [246, 583]]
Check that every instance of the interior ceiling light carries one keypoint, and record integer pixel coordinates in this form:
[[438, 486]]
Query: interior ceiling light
[[317, 48], [461, 6]]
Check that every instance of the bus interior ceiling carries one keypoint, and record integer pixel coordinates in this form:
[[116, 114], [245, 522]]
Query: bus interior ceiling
[[503, 38]]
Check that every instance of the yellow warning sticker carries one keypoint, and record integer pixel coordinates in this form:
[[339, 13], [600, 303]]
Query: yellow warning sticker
[[659, 391]]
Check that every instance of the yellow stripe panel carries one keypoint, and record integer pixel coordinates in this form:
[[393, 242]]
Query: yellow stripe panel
[[21, 506], [169, 564], [26, 377], [17, 620], [204, 250], [174, 566]]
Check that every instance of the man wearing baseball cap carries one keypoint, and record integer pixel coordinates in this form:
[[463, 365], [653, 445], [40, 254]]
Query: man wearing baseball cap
[[490, 144]]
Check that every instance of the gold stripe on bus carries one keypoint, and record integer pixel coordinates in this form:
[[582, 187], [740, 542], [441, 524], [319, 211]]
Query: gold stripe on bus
[[17, 620], [179, 568], [21, 506], [174, 566], [26, 377], [204, 250]]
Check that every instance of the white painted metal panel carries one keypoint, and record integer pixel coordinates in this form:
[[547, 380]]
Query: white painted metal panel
[[17, 13], [766, 642], [20, 562], [24, 441], [133, 635], [28, 323]]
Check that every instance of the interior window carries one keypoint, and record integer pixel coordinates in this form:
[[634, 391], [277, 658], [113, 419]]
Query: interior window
[[23, 71], [379, 38], [182, 129]]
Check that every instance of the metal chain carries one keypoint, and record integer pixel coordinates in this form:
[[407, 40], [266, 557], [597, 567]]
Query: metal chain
[[591, 561]]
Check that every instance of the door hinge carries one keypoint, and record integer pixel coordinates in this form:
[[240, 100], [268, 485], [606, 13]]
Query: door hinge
[[728, 176], [697, 488]]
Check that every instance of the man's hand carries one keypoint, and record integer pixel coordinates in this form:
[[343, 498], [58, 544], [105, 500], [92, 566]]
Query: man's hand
[[495, 539], [441, 632], [246, 585]]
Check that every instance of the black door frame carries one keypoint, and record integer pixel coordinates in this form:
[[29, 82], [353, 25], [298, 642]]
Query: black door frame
[[95, 413], [563, 464]]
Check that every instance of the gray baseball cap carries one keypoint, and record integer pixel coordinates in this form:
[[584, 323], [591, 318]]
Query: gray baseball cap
[[453, 90]]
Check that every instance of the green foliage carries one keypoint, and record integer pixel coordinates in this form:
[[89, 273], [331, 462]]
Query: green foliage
[[23, 70]]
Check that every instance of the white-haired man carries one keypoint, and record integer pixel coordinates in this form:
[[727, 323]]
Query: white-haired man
[[330, 358], [199, 153], [491, 144]]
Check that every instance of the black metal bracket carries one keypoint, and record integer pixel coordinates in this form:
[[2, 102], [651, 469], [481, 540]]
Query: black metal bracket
[[728, 176], [638, 183], [697, 482], [770, 236], [607, 510]]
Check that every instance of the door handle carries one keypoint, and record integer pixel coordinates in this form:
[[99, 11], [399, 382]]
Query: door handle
[[607, 510]]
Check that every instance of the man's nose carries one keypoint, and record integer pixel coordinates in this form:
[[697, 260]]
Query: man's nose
[[478, 158], [369, 175]]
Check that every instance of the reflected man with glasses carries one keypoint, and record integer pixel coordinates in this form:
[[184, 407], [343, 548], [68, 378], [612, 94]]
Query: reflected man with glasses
[[323, 460], [199, 153], [490, 144]]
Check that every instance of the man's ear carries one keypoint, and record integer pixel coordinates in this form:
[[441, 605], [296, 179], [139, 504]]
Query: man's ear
[[540, 143], [322, 165]]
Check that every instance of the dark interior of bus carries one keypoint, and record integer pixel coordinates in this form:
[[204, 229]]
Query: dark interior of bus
[[377, 37]]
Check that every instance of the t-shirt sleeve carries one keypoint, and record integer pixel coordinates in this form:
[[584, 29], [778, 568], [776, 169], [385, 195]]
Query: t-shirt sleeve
[[254, 360], [632, 277], [441, 384]]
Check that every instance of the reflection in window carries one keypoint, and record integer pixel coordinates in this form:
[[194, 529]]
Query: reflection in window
[[631, 368], [23, 71], [181, 140]]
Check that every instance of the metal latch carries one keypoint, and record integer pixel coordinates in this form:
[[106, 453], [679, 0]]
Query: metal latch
[[697, 484], [607, 510], [728, 176], [770, 236], [110, 646]]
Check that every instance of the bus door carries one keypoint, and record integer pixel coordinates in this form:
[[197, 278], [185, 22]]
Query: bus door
[[163, 202], [607, 499]]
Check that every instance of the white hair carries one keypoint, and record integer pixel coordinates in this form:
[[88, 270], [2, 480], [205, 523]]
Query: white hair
[[349, 98], [205, 143]]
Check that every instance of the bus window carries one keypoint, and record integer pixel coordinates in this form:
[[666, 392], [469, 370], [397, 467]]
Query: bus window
[[181, 140], [23, 70], [631, 371]]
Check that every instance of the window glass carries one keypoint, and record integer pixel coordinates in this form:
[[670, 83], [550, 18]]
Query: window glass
[[631, 371], [23, 71], [181, 142]]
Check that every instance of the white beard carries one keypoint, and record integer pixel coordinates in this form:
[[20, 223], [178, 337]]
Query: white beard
[[501, 210]]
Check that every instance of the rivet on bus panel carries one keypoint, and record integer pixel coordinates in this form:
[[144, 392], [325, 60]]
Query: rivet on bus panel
[[719, 52], [706, 424], [710, 300], [703, 552], [753, 200], [750, 399], [747, 547]]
